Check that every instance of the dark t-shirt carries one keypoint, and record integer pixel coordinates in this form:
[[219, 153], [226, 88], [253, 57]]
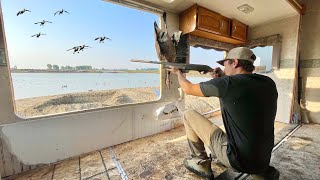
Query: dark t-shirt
[[248, 105]]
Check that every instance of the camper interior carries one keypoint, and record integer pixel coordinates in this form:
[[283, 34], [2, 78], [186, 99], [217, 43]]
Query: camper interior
[[73, 106]]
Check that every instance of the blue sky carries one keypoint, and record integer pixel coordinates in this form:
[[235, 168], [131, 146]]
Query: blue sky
[[131, 32]]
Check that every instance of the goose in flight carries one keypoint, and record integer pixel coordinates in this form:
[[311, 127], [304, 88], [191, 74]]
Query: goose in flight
[[81, 48], [61, 12], [101, 39], [43, 22], [22, 11], [75, 49], [37, 35]]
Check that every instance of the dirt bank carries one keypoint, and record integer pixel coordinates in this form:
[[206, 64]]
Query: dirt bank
[[88, 100]]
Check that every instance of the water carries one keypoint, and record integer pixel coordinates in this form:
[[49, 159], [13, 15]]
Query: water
[[27, 85]]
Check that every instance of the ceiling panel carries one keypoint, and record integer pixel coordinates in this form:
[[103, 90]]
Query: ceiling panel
[[264, 10]]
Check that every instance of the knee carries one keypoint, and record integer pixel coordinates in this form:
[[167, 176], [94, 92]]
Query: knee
[[187, 115]]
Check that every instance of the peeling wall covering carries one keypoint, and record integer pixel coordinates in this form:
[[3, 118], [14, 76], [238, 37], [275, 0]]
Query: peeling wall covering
[[310, 62], [284, 77]]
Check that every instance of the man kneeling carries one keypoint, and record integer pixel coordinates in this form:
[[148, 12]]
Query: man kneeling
[[248, 105]]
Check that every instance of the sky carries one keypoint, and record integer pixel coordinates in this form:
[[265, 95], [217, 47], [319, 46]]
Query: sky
[[131, 32]]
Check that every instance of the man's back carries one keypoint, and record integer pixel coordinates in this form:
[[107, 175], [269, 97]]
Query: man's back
[[248, 106]]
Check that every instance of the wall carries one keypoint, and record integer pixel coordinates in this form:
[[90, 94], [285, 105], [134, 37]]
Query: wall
[[284, 77], [310, 62]]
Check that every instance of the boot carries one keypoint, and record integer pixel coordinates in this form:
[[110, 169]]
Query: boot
[[200, 167], [270, 174]]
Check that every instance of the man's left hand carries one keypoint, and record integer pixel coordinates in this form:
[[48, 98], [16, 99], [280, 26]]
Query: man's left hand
[[174, 70]]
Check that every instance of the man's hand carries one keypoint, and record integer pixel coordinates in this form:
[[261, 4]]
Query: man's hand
[[174, 70], [217, 72]]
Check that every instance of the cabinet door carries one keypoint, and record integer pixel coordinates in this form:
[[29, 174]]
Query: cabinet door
[[225, 26], [209, 21], [239, 30]]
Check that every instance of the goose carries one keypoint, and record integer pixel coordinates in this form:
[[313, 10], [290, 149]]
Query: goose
[[101, 39], [164, 46], [75, 49], [43, 22], [81, 48], [61, 12], [37, 35], [23, 11]]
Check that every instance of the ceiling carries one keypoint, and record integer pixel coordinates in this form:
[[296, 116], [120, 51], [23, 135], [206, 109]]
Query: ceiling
[[264, 10]]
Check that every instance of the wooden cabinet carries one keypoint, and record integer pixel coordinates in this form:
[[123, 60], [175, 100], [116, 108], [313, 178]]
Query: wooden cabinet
[[212, 22], [239, 30], [205, 23]]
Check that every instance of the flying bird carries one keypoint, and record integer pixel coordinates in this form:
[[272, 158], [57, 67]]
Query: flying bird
[[75, 49], [42, 22], [81, 48], [101, 39], [23, 11], [37, 35], [164, 46], [61, 12]]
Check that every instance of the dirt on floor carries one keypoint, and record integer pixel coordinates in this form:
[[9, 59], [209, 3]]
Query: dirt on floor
[[299, 157], [158, 157]]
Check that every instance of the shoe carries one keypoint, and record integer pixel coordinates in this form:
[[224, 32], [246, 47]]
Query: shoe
[[200, 167], [272, 173]]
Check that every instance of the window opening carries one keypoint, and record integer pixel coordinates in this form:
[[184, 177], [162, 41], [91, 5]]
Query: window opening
[[75, 55]]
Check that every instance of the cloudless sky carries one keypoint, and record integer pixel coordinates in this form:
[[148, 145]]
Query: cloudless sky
[[131, 32]]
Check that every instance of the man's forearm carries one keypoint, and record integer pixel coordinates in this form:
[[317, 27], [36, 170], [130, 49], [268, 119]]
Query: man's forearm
[[184, 83]]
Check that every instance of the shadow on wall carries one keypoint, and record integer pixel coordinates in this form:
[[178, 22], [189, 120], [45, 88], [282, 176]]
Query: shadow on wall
[[310, 105]]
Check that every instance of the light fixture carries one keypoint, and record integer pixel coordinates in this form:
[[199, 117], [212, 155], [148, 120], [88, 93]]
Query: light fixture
[[168, 1], [246, 8]]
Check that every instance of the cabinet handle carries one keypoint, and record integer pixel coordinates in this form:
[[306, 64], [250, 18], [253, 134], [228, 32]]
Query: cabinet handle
[[221, 25], [235, 28]]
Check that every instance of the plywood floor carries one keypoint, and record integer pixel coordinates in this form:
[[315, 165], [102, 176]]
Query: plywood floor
[[155, 157]]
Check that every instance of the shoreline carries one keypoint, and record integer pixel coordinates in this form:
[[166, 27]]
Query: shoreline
[[54, 104], [191, 73]]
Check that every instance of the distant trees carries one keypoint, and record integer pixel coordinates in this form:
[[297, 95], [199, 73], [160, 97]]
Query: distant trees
[[55, 67], [83, 67], [69, 68], [49, 66]]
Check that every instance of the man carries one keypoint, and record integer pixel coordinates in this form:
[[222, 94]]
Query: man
[[248, 105]]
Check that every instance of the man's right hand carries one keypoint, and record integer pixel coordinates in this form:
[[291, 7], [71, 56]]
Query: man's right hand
[[217, 72]]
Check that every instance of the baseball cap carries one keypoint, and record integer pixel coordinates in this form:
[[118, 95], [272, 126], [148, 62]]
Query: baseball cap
[[241, 53]]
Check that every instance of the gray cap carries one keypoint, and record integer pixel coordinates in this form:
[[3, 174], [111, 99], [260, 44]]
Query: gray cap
[[241, 53]]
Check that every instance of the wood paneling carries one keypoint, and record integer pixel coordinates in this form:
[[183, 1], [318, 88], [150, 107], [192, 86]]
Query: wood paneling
[[205, 23], [188, 19], [216, 37], [239, 30], [209, 21]]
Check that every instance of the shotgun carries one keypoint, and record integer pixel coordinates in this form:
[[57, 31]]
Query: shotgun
[[184, 68]]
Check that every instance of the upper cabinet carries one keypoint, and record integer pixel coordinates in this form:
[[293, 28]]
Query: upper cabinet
[[205, 23], [239, 30], [212, 22]]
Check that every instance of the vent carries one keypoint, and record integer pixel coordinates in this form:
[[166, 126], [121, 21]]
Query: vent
[[246, 8]]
